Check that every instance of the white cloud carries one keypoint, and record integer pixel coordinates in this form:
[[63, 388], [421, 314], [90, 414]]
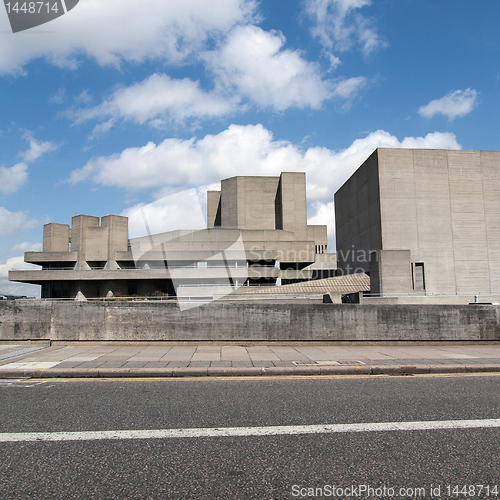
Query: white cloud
[[250, 64], [58, 97], [458, 103], [24, 289], [84, 97], [178, 211], [27, 247], [158, 96], [324, 214], [101, 128], [338, 26], [36, 148], [113, 31], [12, 222], [14, 263], [347, 89], [11, 179], [13, 288], [253, 63], [241, 150]]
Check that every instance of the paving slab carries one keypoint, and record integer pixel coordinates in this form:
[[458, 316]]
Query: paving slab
[[214, 360], [231, 353], [288, 354], [261, 354], [179, 353]]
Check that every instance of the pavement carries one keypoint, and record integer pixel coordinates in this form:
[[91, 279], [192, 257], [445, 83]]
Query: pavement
[[36, 360]]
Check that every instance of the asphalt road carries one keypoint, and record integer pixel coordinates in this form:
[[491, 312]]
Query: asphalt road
[[260, 467]]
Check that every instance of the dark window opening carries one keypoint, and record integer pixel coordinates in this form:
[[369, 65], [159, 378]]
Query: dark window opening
[[96, 264], [54, 266], [55, 290], [261, 281], [418, 276], [126, 264], [218, 215], [295, 266], [164, 287], [132, 288], [278, 208], [261, 263]]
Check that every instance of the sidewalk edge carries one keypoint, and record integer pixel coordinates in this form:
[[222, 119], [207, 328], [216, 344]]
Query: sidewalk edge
[[245, 371]]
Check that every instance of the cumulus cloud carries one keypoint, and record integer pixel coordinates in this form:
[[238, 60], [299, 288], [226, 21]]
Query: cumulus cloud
[[36, 148], [14, 263], [178, 211], [13, 288], [339, 26], [251, 64], [156, 97], [126, 30], [455, 104], [241, 150], [347, 89], [27, 247], [254, 63], [24, 289], [324, 215], [12, 222], [11, 179]]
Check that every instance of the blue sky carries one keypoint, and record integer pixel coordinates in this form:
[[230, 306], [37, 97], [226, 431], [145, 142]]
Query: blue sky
[[117, 105]]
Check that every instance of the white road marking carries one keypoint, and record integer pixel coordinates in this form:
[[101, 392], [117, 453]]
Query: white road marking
[[25, 384], [248, 431]]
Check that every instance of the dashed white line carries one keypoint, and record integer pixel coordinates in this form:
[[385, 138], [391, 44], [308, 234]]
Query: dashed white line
[[247, 431]]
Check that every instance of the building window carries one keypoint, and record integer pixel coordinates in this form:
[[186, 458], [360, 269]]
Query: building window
[[132, 288], [418, 276], [55, 290]]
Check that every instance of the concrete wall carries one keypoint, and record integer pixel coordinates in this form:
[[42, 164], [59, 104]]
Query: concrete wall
[[248, 202], [55, 237], [441, 205], [95, 242], [294, 204], [444, 207], [70, 321], [357, 218], [390, 272]]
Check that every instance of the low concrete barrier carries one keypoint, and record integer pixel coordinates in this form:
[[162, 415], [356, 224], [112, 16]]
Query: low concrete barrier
[[151, 321]]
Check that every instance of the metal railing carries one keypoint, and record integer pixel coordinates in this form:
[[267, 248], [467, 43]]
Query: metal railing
[[208, 298], [151, 268], [368, 295]]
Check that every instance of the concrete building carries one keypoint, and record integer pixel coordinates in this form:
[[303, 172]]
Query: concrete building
[[422, 222], [257, 234]]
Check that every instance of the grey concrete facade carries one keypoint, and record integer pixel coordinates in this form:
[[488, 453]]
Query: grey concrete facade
[[422, 222], [257, 235], [154, 321]]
